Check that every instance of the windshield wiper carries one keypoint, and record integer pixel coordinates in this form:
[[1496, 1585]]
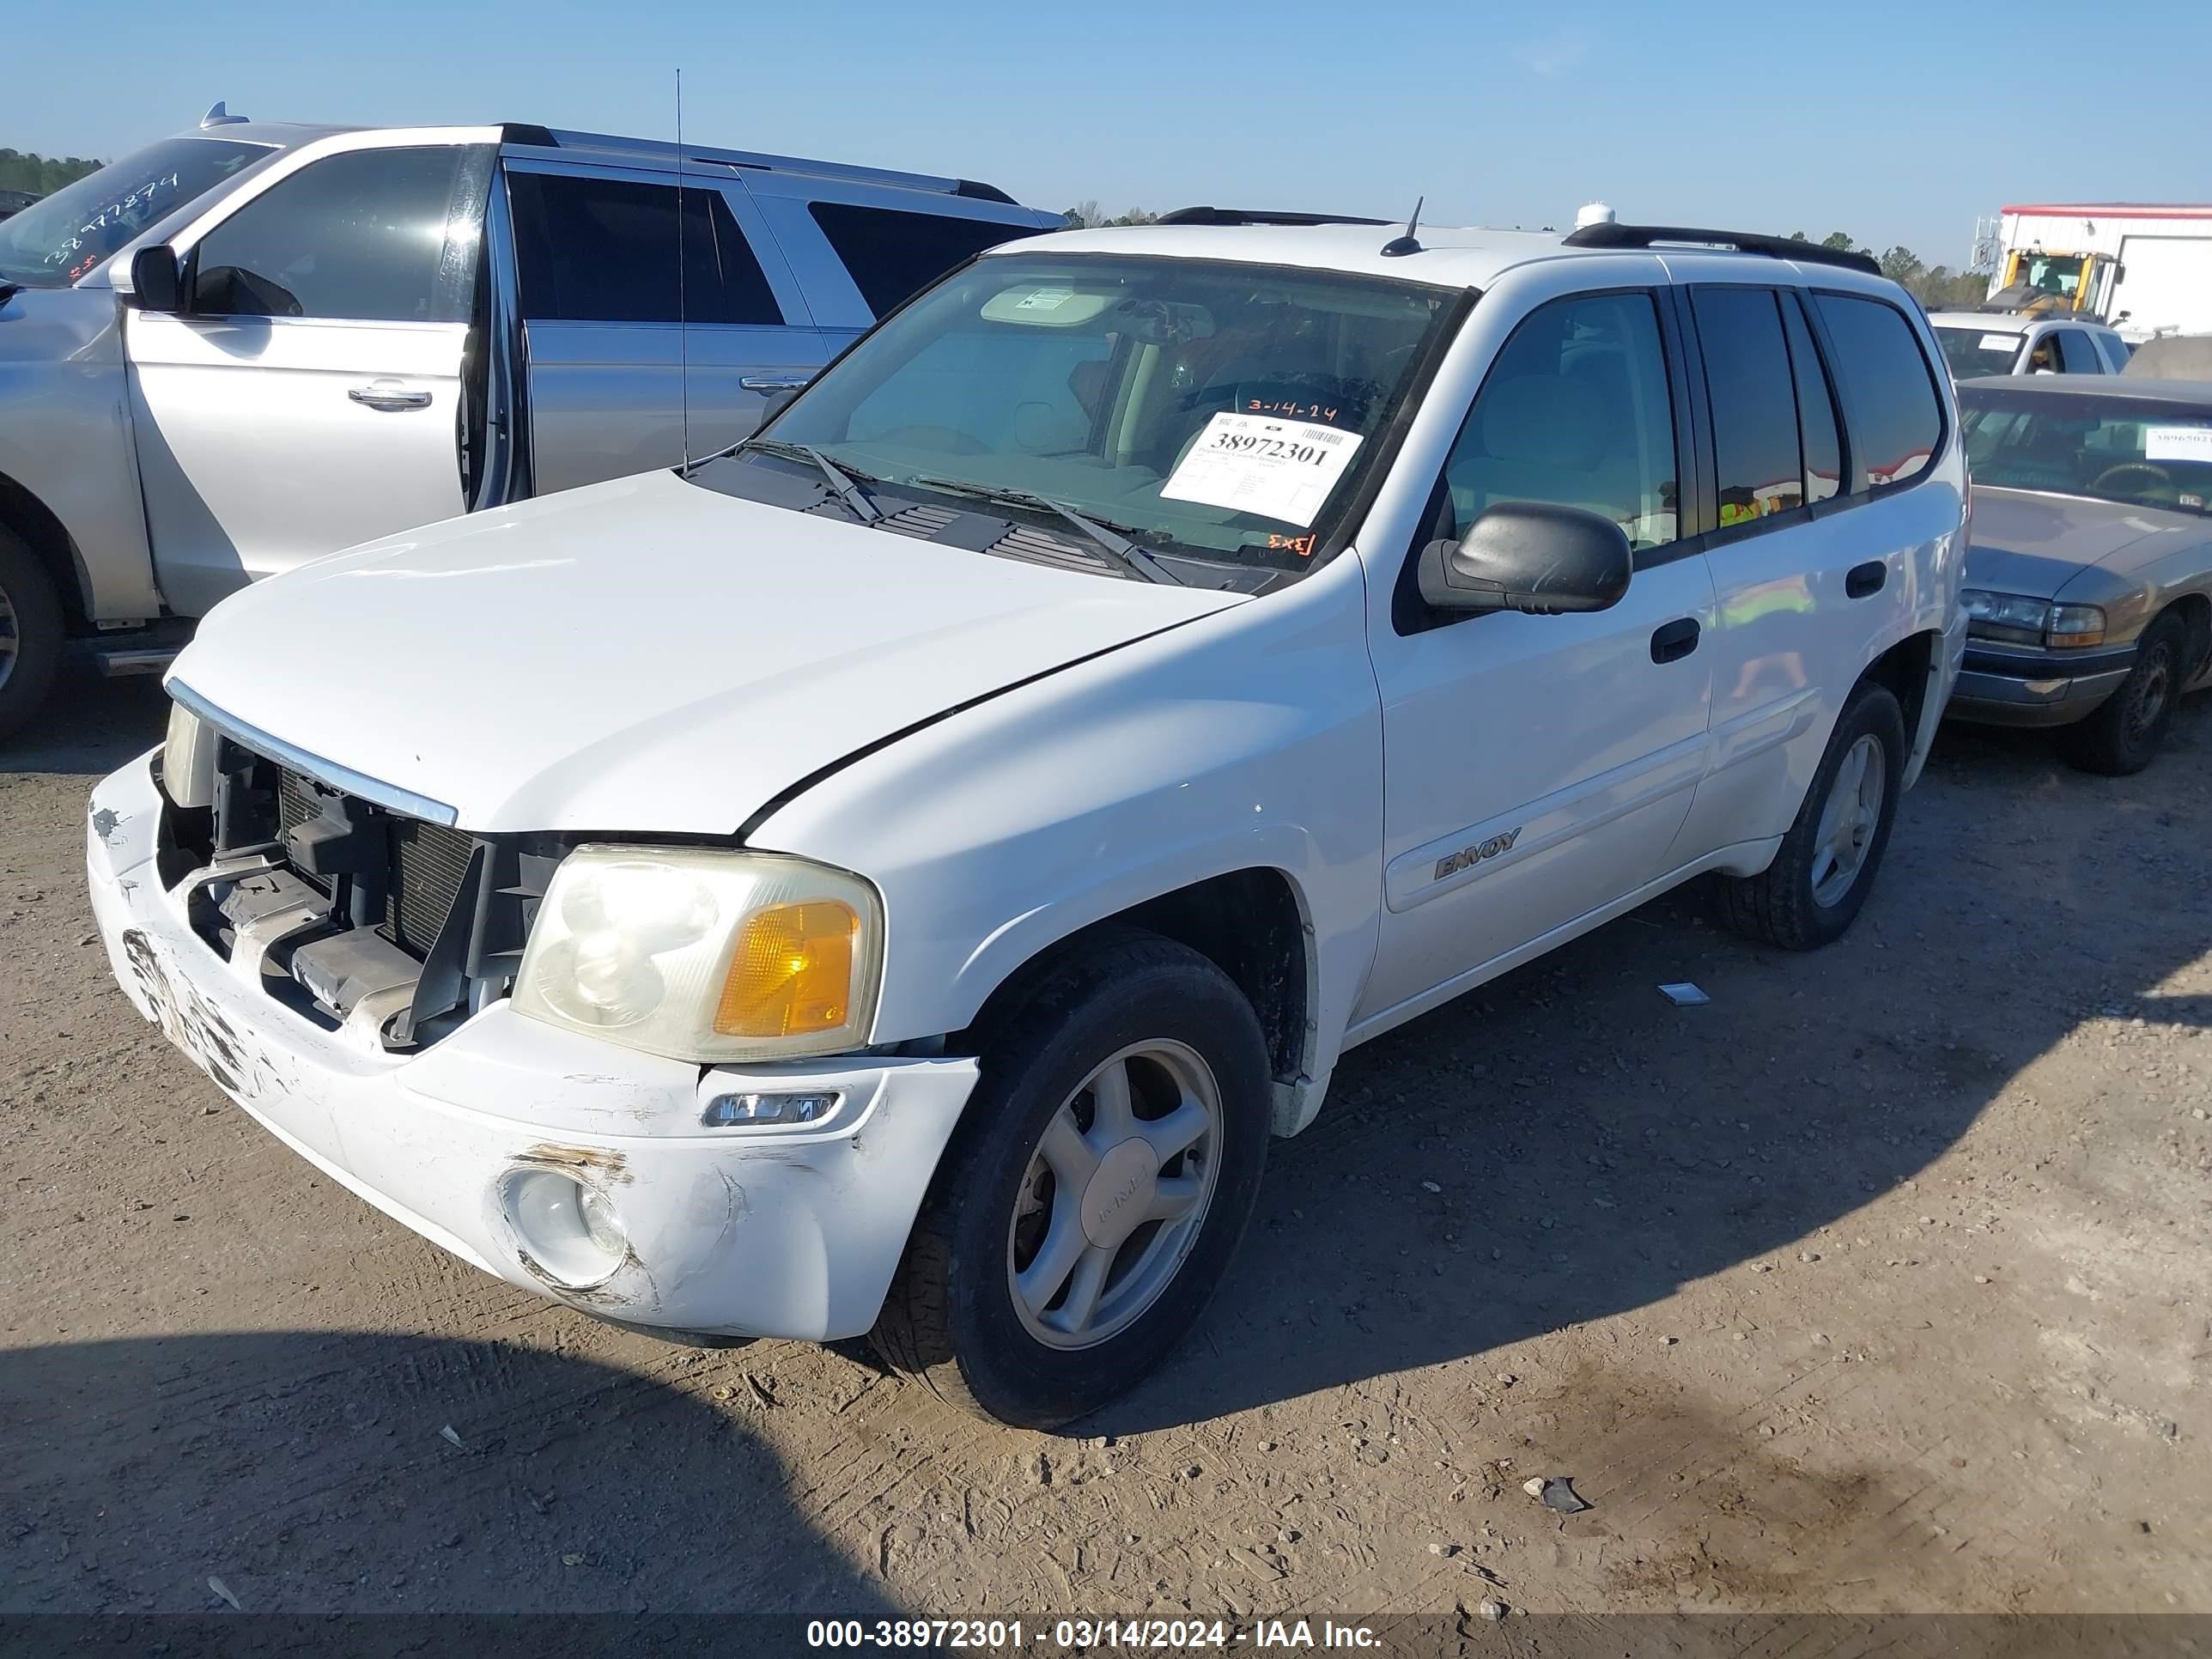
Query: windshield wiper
[[848, 491], [1124, 552]]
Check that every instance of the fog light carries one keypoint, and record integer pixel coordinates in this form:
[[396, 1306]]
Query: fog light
[[786, 1111], [571, 1231]]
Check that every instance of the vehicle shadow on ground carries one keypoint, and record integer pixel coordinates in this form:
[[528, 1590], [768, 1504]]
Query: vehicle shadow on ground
[[1516, 1163], [309, 1471], [90, 725]]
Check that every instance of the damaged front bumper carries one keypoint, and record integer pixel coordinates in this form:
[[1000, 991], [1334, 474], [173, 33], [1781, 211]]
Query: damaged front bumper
[[738, 1232]]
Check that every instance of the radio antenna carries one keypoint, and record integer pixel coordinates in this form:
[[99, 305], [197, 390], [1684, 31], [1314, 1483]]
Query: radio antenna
[[682, 320], [1406, 241]]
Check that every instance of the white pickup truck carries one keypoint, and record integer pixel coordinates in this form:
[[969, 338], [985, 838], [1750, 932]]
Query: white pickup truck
[[896, 876]]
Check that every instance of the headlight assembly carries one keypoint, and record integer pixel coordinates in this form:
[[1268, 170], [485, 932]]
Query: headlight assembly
[[2017, 619], [2013, 617], [703, 955], [188, 759]]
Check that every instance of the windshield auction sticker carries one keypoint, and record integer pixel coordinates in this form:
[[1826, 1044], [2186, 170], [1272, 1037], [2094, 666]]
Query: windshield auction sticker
[[2176, 443], [1256, 464]]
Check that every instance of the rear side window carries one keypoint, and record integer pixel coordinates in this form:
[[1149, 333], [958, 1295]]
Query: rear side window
[[367, 236], [1574, 412], [2117, 349], [892, 255], [1820, 433], [605, 250], [1754, 404], [1889, 394]]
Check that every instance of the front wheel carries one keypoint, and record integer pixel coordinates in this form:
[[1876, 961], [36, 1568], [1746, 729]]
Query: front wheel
[[1820, 876], [30, 634], [1090, 1199], [2129, 727]]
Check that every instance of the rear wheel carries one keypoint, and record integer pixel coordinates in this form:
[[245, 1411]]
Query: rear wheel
[[1820, 876], [30, 633], [1099, 1184], [2129, 728]]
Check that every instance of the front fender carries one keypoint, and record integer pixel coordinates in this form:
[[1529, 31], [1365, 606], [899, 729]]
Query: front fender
[[1248, 738], [65, 440]]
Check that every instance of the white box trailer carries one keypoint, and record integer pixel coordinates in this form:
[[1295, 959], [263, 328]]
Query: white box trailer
[[2145, 269]]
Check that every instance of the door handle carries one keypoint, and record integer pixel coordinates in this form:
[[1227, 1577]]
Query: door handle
[[389, 395], [1675, 640], [773, 382], [1865, 579]]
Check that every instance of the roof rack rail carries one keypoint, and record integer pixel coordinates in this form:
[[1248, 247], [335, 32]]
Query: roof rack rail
[[1217, 216], [654, 149], [1743, 242]]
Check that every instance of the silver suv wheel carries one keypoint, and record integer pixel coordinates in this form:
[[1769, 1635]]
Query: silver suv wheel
[[1114, 1196], [1848, 820]]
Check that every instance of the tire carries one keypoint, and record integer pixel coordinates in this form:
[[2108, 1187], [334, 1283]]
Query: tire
[[31, 633], [955, 1318], [2129, 727], [1797, 903]]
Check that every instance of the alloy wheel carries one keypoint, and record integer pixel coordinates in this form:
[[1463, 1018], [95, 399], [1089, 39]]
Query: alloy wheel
[[1848, 821], [1115, 1195]]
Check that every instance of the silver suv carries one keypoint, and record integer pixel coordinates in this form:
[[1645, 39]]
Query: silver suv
[[249, 345]]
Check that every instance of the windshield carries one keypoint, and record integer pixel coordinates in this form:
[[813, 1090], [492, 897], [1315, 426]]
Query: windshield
[[53, 243], [2139, 452], [1216, 410], [2053, 273], [1972, 351]]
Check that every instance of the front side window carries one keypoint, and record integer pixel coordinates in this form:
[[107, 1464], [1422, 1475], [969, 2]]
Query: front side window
[[54, 242], [892, 255], [1575, 411], [1889, 392], [605, 251], [1205, 409], [1755, 403], [2076, 355], [2142, 452], [365, 235], [1972, 352]]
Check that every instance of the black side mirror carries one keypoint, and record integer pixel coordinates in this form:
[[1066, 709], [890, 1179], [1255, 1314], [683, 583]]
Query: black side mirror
[[1531, 557], [157, 281]]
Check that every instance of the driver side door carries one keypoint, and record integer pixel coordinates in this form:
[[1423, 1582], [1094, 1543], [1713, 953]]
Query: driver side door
[[1537, 769], [309, 395]]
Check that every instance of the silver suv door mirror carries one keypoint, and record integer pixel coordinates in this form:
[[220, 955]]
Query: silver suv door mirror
[[1529, 555], [156, 280]]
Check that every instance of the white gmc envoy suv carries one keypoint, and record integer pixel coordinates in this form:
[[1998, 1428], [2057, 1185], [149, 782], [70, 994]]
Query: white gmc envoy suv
[[895, 876]]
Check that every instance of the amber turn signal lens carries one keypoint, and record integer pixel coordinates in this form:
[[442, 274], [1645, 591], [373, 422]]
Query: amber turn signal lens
[[792, 973]]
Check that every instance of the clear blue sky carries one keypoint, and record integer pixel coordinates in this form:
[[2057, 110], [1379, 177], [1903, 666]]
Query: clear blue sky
[[1897, 123]]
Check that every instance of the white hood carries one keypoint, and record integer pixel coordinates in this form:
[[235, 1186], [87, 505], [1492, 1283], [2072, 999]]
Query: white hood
[[643, 656]]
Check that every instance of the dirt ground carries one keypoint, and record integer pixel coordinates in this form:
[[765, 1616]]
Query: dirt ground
[[1880, 1284]]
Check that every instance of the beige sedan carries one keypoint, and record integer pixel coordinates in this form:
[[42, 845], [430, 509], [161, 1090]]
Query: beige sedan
[[2089, 576]]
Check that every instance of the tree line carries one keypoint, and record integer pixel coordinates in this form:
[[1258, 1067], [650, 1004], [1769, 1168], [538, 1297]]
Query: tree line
[[41, 175], [1937, 287]]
